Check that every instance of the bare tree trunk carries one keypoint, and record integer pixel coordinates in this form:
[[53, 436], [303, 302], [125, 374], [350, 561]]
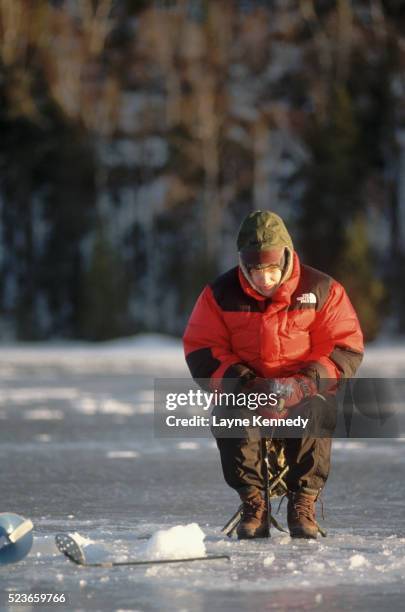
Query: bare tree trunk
[[400, 230], [344, 39], [209, 127], [261, 156], [323, 46]]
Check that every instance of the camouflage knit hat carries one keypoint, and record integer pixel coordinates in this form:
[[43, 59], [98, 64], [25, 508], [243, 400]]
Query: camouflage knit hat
[[263, 238]]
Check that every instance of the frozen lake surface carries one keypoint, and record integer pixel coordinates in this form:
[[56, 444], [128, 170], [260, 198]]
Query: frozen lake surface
[[78, 454]]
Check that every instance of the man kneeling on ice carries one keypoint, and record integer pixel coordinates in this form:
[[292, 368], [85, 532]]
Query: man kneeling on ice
[[272, 323]]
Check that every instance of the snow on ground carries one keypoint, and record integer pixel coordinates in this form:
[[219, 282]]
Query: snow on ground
[[384, 358], [78, 454], [121, 356]]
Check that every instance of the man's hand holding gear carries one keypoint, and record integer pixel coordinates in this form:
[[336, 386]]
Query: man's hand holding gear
[[289, 392]]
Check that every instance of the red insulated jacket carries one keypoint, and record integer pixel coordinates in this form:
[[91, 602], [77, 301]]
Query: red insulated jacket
[[307, 326]]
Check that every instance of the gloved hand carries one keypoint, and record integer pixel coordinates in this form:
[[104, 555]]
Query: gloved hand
[[276, 404], [290, 391], [242, 379], [258, 385], [294, 389]]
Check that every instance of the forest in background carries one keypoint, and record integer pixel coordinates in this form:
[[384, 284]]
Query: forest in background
[[136, 135]]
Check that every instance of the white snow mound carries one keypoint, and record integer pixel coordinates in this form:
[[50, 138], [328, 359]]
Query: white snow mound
[[269, 560], [179, 542], [358, 561]]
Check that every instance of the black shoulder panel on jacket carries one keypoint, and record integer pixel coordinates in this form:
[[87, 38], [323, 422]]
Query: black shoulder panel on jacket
[[202, 364], [312, 290], [230, 296]]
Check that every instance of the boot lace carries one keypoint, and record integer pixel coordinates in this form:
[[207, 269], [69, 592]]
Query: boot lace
[[304, 506]]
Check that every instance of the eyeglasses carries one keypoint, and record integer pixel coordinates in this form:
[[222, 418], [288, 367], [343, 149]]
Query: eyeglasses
[[268, 267]]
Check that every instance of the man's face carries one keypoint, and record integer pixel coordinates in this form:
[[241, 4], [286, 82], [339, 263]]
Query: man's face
[[266, 279]]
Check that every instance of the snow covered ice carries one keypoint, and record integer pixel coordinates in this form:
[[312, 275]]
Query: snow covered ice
[[78, 454]]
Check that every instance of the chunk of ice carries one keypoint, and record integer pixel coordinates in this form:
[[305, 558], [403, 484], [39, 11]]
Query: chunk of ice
[[268, 560], [358, 561], [81, 541], [179, 542]]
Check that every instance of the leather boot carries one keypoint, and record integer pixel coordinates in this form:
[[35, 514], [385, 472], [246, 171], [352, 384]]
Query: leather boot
[[254, 518], [301, 515]]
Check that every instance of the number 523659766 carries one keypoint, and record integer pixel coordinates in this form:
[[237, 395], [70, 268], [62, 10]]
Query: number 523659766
[[36, 598]]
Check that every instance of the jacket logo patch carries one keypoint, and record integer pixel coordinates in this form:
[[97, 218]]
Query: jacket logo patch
[[307, 298]]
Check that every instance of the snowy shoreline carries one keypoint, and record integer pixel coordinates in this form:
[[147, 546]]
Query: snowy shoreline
[[385, 358]]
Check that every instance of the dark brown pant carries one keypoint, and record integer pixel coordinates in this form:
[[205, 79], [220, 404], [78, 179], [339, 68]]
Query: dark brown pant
[[308, 458]]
